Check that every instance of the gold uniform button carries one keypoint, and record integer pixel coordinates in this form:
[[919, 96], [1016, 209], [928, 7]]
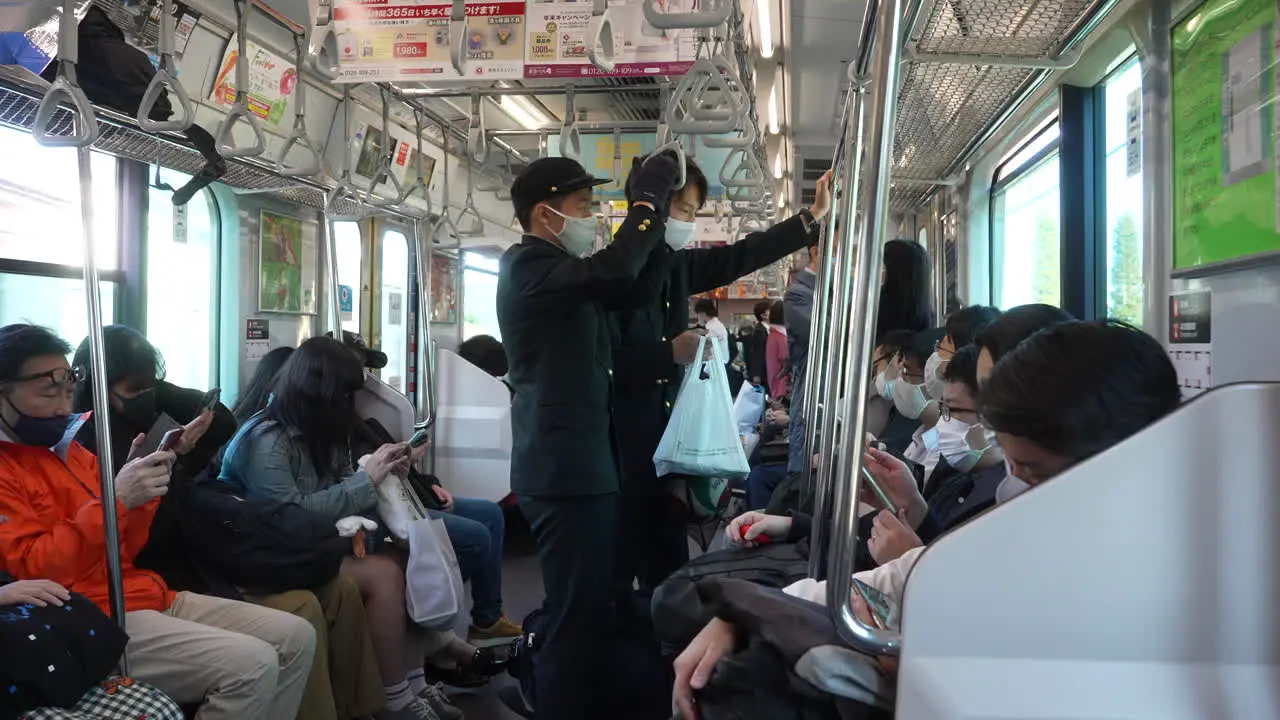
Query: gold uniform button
[[668, 406]]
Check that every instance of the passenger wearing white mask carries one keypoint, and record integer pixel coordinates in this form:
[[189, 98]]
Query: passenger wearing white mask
[[1064, 395], [652, 345]]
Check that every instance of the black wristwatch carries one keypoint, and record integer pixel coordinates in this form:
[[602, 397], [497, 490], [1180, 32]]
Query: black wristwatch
[[810, 222]]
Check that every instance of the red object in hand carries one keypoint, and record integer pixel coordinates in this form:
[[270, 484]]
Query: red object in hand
[[761, 539]]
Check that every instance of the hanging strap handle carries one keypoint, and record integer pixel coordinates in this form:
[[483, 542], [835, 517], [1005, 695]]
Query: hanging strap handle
[[299, 135], [240, 109], [383, 173], [570, 140], [477, 136], [663, 133], [458, 37], [746, 164], [680, 160], [166, 78], [599, 38], [444, 224], [745, 139], [715, 12], [421, 181], [85, 124], [476, 226], [504, 193], [344, 189], [685, 114]]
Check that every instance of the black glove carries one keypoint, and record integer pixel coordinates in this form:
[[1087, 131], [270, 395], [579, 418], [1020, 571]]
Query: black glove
[[654, 181]]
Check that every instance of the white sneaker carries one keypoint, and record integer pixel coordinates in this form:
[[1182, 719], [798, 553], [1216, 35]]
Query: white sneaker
[[419, 709], [434, 695]]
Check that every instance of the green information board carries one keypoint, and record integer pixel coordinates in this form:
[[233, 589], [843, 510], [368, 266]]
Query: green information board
[[1224, 159]]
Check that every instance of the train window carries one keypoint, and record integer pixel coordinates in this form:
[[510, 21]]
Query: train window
[[54, 302], [479, 296], [394, 332], [182, 305], [1025, 209], [40, 204], [350, 251], [1122, 90]]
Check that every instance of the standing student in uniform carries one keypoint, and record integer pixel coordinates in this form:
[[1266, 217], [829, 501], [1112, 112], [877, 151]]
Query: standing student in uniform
[[553, 306], [652, 347]]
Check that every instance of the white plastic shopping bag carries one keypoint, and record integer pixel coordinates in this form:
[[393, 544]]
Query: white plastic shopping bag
[[702, 438], [748, 408], [398, 506], [434, 592]]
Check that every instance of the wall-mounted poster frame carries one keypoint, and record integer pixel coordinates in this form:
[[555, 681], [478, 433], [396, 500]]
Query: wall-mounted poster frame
[[287, 279], [1225, 194], [444, 288]]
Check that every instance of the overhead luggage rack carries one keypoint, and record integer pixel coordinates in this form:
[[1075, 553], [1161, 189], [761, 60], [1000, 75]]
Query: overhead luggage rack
[[969, 63]]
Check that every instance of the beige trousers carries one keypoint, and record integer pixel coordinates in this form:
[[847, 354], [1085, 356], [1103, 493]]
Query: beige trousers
[[241, 661]]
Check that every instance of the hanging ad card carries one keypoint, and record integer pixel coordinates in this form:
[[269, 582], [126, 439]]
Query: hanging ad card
[[385, 40], [556, 46], [271, 83]]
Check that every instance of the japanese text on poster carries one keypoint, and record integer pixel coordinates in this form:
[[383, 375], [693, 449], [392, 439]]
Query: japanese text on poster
[[557, 42], [271, 82], [381, 40]]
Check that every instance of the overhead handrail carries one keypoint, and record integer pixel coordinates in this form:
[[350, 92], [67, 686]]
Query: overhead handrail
[[713, 13], [421, 181], [477, 137], [240, 108], [663, 133], [570, 140], [599, 38], [166, 77], [458, 36], [84, 129], [865, 222], [746, 173], [299, 135], [683, 113], [384, 173], [681, 160], [445, 223], [746, 138]]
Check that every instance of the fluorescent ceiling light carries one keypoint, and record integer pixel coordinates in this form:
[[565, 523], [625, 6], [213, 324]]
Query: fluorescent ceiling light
[[522, 111], [777, 165], [773, 107], [764, 24]]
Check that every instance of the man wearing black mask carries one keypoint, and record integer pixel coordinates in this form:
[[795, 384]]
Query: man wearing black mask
[[654, 345], [553, 305]]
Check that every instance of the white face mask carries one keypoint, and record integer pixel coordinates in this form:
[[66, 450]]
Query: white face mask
[[953, 444], [909, 399], [679, 233], [930, 438], [933, 382], [577, 235], [884, 386]]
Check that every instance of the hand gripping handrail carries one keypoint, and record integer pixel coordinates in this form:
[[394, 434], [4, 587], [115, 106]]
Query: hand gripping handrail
[[166, 77], [570, 140], [299, 135], [867, 231], [681, 160], [458, 36], [747, 138], [477, 136], [748, 164], [85, 127], [704, 77], [599, 38], [715, 12], [421, 180], [384, 173], [663, 133], [240, 109]]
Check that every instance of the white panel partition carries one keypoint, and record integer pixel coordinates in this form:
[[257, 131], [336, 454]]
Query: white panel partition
[[1144, 583], [473, 429]]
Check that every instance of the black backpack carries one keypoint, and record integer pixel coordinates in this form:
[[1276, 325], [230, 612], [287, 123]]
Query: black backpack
[[261, 547], [678, 611]]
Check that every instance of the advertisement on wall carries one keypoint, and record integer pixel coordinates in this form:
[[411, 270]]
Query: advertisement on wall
[[271, 82], [385, 40], [556, 44]]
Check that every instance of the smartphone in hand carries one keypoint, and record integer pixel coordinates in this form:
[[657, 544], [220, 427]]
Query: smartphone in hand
[[171, 439], [420, 438], [884, 610]]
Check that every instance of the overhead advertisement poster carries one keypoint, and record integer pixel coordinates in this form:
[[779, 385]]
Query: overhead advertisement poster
[[1224, 128], [557, 46], [271, 82], [384, 40]]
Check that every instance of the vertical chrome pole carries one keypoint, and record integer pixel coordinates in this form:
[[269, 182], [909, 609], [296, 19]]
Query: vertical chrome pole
[[426, 361], [331, 273], [865, 240], [839, 259], [101, 402], [1157, 170]]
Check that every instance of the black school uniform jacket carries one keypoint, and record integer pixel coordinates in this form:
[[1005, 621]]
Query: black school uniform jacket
[[647, 379], [554, 314]]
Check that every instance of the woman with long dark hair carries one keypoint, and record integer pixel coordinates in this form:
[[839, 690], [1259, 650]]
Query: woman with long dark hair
[[253, 398], [905, 301], [298, 450]]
